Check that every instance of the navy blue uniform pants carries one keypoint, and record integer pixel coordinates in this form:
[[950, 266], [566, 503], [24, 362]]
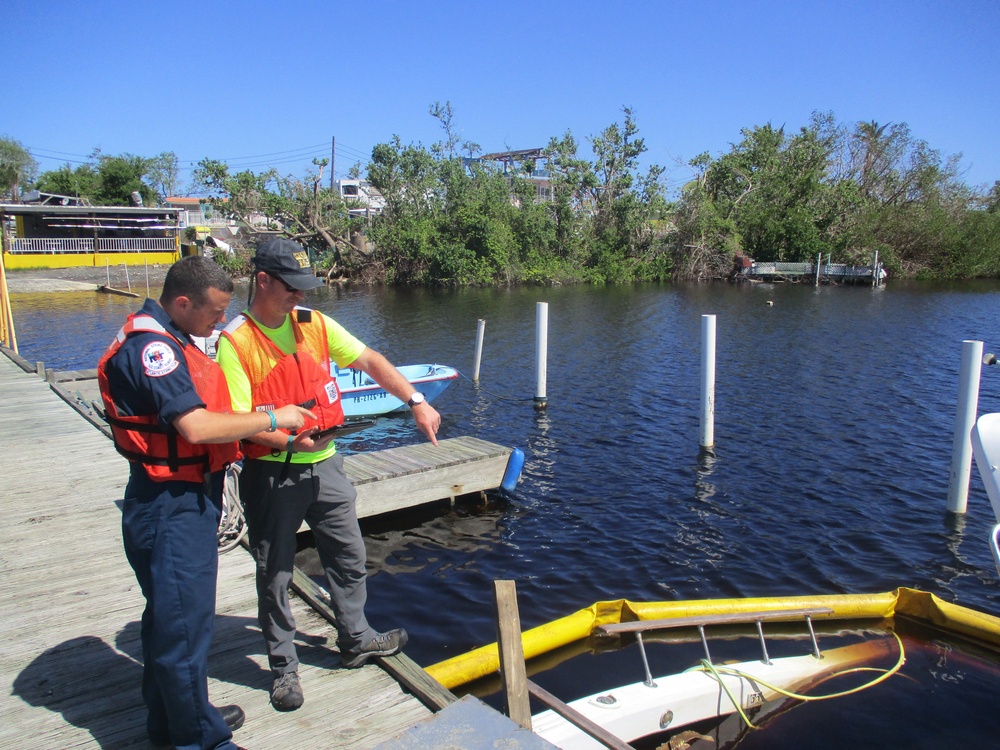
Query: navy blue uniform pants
[[169, 530]]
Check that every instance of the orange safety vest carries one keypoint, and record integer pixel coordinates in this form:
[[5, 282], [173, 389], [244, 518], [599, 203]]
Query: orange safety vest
[[163, 453], [277, 379]]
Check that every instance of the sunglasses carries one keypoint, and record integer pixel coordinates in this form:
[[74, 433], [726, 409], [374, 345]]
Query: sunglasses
[[288, 288]]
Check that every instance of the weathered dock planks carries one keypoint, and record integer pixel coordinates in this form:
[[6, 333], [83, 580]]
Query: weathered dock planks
[[387, 481], [69, 618]]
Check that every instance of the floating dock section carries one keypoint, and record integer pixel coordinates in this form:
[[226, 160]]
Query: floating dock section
[[813, 273]]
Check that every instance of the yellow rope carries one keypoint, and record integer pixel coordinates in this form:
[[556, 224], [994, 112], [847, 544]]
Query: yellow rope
[[717, 672]]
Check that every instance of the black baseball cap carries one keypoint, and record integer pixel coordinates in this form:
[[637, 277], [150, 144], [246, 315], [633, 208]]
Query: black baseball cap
[[289, 261]]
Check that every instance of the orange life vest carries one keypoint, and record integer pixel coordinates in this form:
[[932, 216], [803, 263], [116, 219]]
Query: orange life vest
[[277, 379], [163, 453]]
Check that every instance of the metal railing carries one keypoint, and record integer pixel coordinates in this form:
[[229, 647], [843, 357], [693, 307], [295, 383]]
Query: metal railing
[[54, 246], [201, 219], [50, 246]]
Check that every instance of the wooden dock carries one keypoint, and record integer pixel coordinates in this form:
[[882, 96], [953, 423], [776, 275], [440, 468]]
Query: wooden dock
[[71, 666], [387, 481]]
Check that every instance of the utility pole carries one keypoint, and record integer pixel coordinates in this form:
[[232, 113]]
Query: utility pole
[[333, 160]]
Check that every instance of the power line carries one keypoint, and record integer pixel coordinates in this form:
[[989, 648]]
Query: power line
[[265, 160]]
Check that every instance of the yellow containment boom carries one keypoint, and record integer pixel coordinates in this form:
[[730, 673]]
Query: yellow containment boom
[[912, 603]]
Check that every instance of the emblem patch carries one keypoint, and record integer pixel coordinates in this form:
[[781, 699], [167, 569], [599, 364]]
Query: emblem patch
[[331, 392], [158, 359]]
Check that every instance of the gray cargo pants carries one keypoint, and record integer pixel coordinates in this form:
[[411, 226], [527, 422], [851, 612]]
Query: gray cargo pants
[[322, 495]]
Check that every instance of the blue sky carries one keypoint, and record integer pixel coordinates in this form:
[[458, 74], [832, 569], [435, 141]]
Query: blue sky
[[270, 84]]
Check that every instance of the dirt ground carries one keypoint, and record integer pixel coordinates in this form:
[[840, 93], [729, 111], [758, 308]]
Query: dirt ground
[[47, 279]]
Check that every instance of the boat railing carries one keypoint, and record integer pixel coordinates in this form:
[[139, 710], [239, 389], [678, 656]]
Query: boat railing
[[638, 627]]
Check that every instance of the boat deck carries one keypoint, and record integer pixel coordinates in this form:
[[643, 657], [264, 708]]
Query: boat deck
[[71, 665]]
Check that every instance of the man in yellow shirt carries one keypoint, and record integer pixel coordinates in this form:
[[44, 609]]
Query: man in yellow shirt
[[278, 353]]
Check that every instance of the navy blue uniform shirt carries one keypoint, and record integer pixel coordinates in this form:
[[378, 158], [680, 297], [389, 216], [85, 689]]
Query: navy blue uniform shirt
[[149, 374]]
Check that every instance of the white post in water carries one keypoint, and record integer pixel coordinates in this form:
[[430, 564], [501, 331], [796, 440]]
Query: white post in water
[[707, 439], [965, 419], [107, 267], [480, 329], [541, 353], [126, 277], [819, 262]]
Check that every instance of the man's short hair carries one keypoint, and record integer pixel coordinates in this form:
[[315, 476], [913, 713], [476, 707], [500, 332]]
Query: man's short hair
[[192, 277]]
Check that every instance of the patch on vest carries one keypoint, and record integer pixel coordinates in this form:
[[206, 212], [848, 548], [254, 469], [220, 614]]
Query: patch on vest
[[331, 392], [158, 359]]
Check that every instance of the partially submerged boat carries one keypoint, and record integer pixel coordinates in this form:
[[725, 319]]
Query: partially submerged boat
[[667, 705]]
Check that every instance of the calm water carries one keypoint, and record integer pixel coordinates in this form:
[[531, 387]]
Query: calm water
[[835, 409]]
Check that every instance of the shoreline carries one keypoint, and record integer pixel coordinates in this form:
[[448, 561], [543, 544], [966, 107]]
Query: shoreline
[[83, 278]]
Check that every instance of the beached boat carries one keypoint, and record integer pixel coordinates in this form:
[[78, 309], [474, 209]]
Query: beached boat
[[362, 397], [746, 692]]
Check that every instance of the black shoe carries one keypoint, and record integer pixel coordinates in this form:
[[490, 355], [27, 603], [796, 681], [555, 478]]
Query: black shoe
[[233, 716], [383, 644], [286, 692]]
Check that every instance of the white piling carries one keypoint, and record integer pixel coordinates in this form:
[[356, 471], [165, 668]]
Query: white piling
[[126, 277], [107, 267], [541, 353], [965, 419], [707, 439], [147, 277], [819, 262], [480, 330]]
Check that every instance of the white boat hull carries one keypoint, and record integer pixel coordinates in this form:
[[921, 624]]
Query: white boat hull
[[363, 397], [675, 701]]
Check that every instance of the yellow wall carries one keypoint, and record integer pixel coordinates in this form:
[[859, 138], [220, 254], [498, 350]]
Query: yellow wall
[[100, 260]]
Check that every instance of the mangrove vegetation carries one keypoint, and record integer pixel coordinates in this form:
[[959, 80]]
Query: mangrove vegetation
[[597, 211]]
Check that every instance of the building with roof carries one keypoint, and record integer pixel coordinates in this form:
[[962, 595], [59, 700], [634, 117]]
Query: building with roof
[[51, 231]]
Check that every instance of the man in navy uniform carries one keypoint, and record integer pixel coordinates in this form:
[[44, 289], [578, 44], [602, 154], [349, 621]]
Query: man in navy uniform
[[168, 406]]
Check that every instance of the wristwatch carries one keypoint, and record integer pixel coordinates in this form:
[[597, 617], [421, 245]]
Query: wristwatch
[[416, 398]]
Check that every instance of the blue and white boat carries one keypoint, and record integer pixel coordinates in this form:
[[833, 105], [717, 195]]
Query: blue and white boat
[[362, 397]]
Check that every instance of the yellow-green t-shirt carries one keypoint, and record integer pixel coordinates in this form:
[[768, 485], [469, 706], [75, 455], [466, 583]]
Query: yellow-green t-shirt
[[344, 349]]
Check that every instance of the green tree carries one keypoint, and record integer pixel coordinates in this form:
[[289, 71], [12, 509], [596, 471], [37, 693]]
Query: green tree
[[119, 177], [705, 242], [17, 168], [308, 213], [245, 196], [773, 188], [77, 182], [626, 201], [162, 175], [104, 180]]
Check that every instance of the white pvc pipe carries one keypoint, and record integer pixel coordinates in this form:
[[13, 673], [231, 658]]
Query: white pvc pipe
[[480, 329], [707, 438], [965, 419], [541, 352]]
